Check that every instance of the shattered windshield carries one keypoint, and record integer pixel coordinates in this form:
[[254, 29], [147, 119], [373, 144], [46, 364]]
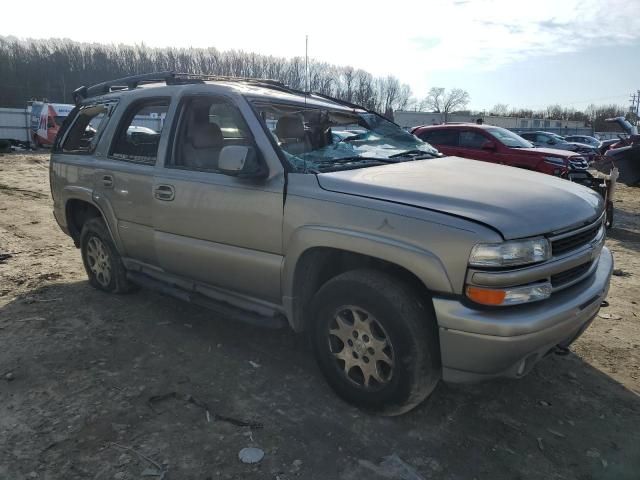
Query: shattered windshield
[[317, 139]]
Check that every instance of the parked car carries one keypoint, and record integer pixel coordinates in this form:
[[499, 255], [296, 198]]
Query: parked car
[[625, 153], [498, 145], [583, 139], [607, 144], [548, 139], [402, 267]]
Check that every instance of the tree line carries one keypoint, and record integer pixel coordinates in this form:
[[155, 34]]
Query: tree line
[[592, 116], [51, 69]]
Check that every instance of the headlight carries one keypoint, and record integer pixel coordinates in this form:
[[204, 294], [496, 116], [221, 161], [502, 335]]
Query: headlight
[[506, 254], [560, 162], [509, 296]]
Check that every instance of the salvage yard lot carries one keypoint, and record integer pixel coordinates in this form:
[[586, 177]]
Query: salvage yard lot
[[79, 368]]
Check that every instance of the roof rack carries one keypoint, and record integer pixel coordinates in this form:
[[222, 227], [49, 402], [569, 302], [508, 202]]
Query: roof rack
[[175, 78], [170, 78]]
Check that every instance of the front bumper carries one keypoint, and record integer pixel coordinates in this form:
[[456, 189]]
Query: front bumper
[[480, 344]]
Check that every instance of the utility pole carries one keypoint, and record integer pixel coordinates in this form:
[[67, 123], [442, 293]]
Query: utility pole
[[635, 104]]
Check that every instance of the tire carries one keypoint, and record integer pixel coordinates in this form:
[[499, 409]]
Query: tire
[[394, 356], [101, 259]]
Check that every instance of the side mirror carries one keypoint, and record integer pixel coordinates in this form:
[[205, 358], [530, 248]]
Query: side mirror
[[489, 145], [240, 161], [551, 141]]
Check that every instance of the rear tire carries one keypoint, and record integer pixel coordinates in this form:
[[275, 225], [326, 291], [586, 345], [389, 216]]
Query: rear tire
[[375, 341], [101, 259]]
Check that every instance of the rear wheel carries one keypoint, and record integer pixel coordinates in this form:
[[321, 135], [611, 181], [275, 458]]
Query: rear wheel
[[375, 341], [101, 260]]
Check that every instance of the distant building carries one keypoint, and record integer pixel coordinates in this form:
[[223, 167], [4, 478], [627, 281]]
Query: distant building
[[409, 119]]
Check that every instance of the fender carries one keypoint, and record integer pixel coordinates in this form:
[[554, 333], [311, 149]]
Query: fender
[[421, 262], [74, 192]]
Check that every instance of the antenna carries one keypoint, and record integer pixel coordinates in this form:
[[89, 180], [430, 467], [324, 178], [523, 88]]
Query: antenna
[[306, 61]]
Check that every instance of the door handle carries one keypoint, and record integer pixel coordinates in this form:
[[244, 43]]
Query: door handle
[[107, 181], [164, 192]]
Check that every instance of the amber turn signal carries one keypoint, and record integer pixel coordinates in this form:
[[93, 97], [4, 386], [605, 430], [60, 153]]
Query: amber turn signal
[[486, 296]]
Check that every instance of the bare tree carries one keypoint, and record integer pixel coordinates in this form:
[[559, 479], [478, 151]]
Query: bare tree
[[440, 101], [454, 100], [500, 109], [434, 100]]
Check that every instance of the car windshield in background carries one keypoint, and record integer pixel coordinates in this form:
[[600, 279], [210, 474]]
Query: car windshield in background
[[508, 138], [319, 139]]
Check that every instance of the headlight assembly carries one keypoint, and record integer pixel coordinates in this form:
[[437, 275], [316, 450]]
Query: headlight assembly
[[557, 161], [511, 253]]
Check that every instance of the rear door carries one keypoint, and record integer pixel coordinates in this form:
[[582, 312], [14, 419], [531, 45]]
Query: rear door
[[74, 156], [124, 174], [217, 229]]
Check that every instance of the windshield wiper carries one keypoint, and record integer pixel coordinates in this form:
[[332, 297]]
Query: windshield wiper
[[414, 154], [349, 162]]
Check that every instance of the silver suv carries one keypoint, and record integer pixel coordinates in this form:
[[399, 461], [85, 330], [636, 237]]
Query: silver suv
[[277, 207]]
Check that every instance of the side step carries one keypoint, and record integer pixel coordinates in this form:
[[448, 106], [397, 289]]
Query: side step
[[224, 309]]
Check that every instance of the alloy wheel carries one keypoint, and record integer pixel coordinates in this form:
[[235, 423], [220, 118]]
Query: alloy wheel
[[361, 348], [99, 261]]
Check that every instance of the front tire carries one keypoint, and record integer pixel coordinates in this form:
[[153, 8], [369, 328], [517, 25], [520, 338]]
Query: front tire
[[101, 260], [375, 341]]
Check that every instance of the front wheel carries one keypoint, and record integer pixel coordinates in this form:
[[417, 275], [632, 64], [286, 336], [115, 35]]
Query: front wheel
[[375, 341]]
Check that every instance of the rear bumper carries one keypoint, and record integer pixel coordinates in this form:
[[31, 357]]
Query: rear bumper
[[482, 344]]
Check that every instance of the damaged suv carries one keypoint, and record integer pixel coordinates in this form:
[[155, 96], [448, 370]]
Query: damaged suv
[[280, 207]]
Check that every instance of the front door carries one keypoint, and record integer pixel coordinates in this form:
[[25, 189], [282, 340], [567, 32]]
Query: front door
[[470, 145], [217, 229]]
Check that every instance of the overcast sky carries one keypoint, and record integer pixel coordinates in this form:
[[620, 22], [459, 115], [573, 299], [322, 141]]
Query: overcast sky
[[523, 53]]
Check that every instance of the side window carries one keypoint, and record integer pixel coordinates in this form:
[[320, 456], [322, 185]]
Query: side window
[[447, 137], [138, 134], [470, 139], [83, 134], [206, 126]]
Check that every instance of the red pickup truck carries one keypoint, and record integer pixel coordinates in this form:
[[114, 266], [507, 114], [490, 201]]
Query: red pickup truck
[[499, 145]]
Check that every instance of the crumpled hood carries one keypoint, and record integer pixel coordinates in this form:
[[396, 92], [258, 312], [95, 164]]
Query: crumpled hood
[[518, 203]]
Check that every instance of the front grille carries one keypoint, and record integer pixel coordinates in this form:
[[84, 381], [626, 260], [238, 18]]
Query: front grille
[[572, 242], [563, 278]]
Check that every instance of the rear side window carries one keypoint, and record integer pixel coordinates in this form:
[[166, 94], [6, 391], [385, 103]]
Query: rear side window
[[138, 135], [441, 136], [471, 139], [83, 135]]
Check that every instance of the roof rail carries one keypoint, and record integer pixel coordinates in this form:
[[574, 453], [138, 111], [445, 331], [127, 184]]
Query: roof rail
[[170, 78], [130, 83], [175, 78]]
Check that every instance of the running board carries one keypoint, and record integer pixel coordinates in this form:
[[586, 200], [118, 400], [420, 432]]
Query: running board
[[223, 309]]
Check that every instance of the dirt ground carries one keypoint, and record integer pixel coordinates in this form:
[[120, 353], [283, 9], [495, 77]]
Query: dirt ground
[[78, 369]]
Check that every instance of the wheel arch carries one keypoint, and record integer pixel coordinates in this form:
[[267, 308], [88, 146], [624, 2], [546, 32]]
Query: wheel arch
[[318, 254], [78, 209]]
